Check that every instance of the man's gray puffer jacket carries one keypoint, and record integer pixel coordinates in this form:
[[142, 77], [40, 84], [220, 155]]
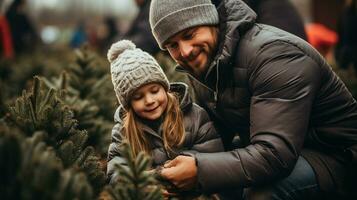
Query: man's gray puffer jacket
[[200, 134], [283, 100]]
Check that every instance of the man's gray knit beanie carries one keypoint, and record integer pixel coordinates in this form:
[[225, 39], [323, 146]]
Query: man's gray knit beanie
[[168, 17], [132, 68]]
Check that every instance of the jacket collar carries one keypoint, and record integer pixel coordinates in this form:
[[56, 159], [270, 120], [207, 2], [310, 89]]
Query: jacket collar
[[181, 89], [235, 18]]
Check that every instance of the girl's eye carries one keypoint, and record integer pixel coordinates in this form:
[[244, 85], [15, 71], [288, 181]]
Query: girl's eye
[[136, 97], [155, 90]]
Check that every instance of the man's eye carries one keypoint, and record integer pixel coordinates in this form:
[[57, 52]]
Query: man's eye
[[188, 36], [172, 46]]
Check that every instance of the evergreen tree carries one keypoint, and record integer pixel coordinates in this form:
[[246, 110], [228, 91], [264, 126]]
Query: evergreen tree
[[43, 110], [92, 80], [2, 103], [31, 170], [89, 93], [10, 158], [135, 181]]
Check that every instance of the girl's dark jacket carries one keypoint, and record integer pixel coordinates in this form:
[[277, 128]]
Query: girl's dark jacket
[[200, 134], [281, 97]]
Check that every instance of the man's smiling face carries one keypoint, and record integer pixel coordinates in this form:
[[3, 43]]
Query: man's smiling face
[[194, 48]]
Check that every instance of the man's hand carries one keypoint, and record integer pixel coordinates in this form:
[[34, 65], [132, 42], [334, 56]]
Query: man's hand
[[181, 171]]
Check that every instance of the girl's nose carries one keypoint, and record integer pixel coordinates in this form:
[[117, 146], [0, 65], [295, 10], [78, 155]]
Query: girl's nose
[[149, 99]]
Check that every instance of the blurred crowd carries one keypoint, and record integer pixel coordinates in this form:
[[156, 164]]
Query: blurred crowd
[[18, 34]]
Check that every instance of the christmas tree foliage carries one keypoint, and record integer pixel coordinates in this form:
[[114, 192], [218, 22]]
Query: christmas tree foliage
[[50, 136], [89, 93], [92, 80], [31, 170], [42, 109], [135, 181], [2, 103]]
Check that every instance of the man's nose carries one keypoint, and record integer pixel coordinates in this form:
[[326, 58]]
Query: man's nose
[[186, 49]]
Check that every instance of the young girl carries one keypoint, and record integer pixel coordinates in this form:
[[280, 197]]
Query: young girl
[[154, 116]]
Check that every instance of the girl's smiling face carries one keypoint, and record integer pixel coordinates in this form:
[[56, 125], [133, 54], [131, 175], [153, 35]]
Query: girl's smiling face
[[149, 101]]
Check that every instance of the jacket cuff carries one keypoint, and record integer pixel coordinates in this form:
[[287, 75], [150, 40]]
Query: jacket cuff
[[218, 171], [190, 153]]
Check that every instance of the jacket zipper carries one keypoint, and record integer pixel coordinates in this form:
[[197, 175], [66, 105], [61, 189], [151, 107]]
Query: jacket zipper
[[153, 133], [216, 92]]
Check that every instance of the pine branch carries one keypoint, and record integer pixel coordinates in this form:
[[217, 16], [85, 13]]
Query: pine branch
[[42, 110], [31, 170], [135, 182], [89, 94], [92, 80]]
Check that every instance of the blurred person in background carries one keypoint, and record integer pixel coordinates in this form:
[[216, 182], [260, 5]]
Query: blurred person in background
[[6, 48], [321, 38], [79, 36], [140, 32], [279, 13], [24, 36], [106, 34], [346, 48]]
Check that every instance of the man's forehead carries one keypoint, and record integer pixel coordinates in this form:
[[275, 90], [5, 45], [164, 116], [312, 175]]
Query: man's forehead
[[180, 34]]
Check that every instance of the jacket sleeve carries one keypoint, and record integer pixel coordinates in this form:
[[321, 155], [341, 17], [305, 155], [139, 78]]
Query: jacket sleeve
[[114, 156], [205, 139], [283, 81]]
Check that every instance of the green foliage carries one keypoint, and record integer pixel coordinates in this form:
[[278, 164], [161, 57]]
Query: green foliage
[[31, 170], [43, 110], [44, 145], [135, 182], [16, 74], [10, 158], [89, 93], [3, 106], [92, 81]]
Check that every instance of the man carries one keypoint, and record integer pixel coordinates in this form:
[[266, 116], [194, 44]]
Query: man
[[296, 120]]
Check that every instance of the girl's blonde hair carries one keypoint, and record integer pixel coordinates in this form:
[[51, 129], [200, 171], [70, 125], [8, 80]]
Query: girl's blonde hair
[[172, 126]]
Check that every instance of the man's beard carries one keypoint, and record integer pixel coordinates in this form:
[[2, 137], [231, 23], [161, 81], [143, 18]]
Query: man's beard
[[201, 72]]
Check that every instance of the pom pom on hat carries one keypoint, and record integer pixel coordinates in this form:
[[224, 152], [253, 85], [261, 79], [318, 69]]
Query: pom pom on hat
[[119, 47]]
